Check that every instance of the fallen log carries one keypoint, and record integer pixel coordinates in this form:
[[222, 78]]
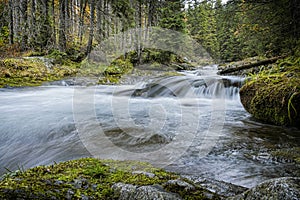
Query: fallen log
[[250, 65]]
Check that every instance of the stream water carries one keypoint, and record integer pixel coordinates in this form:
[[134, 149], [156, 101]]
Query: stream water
[[192, 124]]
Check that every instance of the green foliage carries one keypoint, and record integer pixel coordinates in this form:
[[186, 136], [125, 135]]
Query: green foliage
[[241, 29], [202, 26], [119, 66], [124, 11], [172, 16], [153, 55], [4, 33], [116, 70], [65, 59]]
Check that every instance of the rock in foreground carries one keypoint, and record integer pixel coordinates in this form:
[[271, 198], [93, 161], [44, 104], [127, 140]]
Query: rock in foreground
[[275, 189], [91, 178]]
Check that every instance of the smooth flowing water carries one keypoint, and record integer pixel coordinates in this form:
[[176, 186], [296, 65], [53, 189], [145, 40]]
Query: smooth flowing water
[[192, 124]]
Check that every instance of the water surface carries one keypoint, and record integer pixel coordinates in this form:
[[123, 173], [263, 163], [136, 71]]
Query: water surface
[[192, 124]]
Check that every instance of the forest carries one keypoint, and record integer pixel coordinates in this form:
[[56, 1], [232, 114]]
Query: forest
[[229, 31]]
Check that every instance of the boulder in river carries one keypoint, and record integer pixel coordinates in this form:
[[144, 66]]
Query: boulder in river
[[286, 188]]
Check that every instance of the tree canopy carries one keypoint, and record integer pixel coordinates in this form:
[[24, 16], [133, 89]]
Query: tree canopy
[[230, 31]]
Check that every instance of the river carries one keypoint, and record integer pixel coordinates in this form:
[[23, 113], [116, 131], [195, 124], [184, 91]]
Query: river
[[192, 124]]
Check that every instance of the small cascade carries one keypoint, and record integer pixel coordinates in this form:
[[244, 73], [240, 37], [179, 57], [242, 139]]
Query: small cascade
[[220, 88], [193, 84]]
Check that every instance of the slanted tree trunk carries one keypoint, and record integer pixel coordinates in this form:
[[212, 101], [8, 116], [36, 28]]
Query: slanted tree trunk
[[251, 65]]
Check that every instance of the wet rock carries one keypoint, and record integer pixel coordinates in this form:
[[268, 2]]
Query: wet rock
[[218, 187], [286, 188], [150, 175], [180, 184], [128, 191]]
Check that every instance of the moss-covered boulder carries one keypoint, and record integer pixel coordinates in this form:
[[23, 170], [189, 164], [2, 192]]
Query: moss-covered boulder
[[17, 72], [90, 178], [273, 95], [287, 188], [116, 70]]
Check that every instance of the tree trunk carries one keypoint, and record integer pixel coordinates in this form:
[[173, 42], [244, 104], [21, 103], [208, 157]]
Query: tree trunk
[[62, 27], [92, 19], [33, 21], [24, 9], [83, 4], [104, 19], [99, 20], [54, 23], [251, 65], [108, 21], [138, 21], [67, 20], [11, 22]]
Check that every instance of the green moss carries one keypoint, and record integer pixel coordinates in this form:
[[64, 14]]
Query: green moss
[[90, 68], [273, 95], [87, 177], [174, 73], [116, 70], [30, 72], [31, 53]]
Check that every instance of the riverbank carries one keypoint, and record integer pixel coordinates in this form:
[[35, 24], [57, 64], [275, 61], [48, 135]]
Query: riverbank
[[90, 178], [36, 70], [271, 92], [99, 179]]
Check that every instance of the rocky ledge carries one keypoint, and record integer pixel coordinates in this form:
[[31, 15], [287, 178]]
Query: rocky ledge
[[90, 178]]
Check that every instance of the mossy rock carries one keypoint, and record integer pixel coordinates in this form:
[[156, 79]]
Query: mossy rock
[[90, 178], [273, 96], [114, 72], [18, 72], [119, 66]]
